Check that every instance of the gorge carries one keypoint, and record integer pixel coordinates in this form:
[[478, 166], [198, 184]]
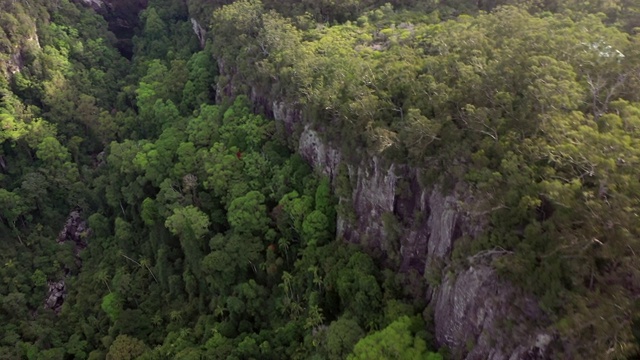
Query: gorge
[[247, 179]]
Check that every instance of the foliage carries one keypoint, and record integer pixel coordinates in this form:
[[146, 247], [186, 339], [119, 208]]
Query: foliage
[[525, 107], [126, 348], [209, 239], [393, 342]]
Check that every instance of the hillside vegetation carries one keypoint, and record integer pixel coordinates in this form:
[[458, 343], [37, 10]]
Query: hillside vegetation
[[207, 237]]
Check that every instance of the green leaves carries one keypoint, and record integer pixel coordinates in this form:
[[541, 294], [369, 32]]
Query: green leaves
[[396, 341], [126, 348], [359, 290], [540, 117], [11, 129], [189, 222], [315, 229], [52, 152], [343, 334], [112, 305], [225, 172], [12, 207], [248, 214], [419, 132]]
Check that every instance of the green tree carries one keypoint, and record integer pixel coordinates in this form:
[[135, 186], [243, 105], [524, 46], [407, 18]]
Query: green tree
[[396, 341], [13, 207], [190, 224], [111, 304], [125, 347], [342, 336], [315, 228], [248, 214]]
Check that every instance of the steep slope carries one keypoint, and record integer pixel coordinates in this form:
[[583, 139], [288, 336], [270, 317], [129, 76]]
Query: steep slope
[[484, 167], [139, 219], [413, 227], [464, 150]]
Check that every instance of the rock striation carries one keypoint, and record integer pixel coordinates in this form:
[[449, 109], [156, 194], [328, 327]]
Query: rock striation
[[477, 314]]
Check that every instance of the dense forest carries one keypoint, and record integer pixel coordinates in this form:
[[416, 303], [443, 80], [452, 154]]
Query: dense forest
[[151, 207]]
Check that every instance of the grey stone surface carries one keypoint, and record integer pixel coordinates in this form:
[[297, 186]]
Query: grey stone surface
[[477, 314]]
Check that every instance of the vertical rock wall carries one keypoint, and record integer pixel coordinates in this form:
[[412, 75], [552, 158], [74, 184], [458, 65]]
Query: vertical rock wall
[[16, 60], [477, 314]]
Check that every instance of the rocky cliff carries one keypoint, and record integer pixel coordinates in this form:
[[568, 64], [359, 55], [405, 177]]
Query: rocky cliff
[[415, 227], [14, 61], [477, 314]]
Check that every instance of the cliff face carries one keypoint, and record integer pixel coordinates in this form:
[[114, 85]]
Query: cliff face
[[477, 314], [15, 61], [480, 316]]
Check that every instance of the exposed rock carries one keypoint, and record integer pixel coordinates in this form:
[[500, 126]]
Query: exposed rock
[[324, 158], [373, 196], [55, 296], [75, 230], [225, 88], [16, 61], [200, 32], [443, 214], [473, 307], [480, 316], [3, 163], [95, 4], [99, 159]]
